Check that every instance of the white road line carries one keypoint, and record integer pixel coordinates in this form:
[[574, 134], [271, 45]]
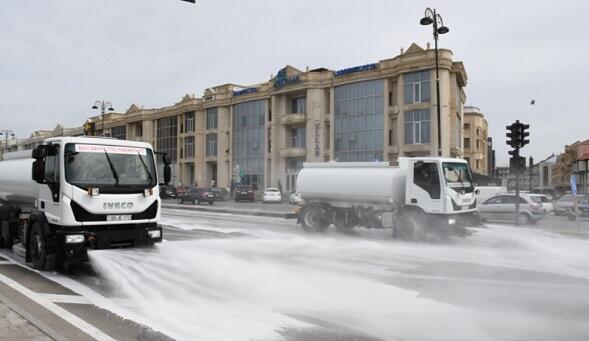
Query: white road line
[[59, 311], [74, 299], [5, 262]]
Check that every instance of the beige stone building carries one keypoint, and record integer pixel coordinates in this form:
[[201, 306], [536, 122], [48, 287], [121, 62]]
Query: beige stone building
[[476, 130], [262, 133]]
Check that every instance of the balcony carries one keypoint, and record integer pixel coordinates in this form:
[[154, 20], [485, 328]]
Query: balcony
[[293, 152], [289, 119]]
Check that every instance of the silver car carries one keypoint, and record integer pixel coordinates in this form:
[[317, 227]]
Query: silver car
[[564, 204], [502, 207]]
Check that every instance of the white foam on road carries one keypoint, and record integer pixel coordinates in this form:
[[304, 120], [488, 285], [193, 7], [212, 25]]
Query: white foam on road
[[253, 287]]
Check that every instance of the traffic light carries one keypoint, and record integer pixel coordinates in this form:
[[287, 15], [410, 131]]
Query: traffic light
[[523, 134], [514, 138]]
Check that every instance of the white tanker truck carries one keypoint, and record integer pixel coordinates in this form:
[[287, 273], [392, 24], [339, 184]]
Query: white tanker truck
[[416, 197], [74, 193]]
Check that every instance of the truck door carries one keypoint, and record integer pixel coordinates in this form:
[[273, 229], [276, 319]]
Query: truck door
[[49, 192], [423, 186]]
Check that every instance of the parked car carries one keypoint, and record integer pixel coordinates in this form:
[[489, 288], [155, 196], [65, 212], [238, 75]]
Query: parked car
[[221, 194], [244, 192], [547, 203], [180, 190], [566, 202], [167, 192], [483, 193], [502, 207], [272, 195], [197, 195], [295, 198], [582, 206]]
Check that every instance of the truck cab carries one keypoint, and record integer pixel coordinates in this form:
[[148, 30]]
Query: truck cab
[[84, 192]]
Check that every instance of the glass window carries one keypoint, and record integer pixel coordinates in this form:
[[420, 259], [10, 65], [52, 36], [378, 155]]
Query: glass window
[[211, 145], [119, 132], [189, 147], [466, 143], [417, 127], [359, 116], [417, 87], [299, 105], [189, 122], [248, 141], [298, 137], [212, 118], [166, 136]]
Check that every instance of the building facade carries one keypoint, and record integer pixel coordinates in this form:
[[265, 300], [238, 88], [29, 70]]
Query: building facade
[[261, 134], [476, 130]]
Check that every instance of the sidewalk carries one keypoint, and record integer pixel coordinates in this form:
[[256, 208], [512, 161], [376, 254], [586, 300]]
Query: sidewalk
[[244, 208], [15, 327]]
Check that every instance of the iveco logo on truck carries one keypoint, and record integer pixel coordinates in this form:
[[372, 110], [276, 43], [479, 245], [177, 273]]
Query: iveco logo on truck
[[117, 205]]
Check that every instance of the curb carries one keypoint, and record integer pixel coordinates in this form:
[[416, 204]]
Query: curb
[[227, 210]]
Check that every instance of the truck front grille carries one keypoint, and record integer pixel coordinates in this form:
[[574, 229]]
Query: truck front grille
[[82, 215]]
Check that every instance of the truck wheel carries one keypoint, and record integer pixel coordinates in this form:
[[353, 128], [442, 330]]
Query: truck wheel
[[411, 226], [38, 249], [312, 220]]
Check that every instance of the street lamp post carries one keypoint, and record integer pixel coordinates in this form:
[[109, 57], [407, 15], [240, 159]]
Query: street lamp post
[[103, 105], [6, 133], [431, 17]]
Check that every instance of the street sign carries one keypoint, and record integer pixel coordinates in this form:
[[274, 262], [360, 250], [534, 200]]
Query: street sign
[[573, 185]]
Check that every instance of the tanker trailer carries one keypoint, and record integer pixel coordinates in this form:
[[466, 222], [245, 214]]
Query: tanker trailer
[[71, 194], [416, 197]]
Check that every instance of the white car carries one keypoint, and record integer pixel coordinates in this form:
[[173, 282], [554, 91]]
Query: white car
[[546, 203], [272, 195]]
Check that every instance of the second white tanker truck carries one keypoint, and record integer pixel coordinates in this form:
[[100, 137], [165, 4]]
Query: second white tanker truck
[[71, 194], [417, 197]]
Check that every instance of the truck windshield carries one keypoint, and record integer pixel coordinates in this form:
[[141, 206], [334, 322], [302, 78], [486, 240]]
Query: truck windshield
[[116, 166], [458, 176]]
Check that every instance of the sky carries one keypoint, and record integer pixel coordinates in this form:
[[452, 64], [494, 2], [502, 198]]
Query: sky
[[58, 57]]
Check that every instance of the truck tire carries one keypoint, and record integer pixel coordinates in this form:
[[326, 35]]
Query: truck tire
[[41, 259], [411, 226], [312, 219]]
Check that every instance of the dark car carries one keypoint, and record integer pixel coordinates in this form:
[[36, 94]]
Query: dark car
[[180, 190], [244, 192], [221, 194], [197, 195], [167, 191]]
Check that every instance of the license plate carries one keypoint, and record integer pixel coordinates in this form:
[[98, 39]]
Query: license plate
[[121, 217]]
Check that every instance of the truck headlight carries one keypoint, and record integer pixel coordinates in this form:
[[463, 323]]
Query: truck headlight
[[451, 221], [74, 238], [154, 234]]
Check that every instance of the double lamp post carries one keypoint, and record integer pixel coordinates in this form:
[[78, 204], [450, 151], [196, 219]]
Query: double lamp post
[[103, 105], [431, 17]]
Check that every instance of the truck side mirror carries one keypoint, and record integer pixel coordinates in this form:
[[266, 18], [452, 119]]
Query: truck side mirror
[[167, 173], [38, 171], [39, 152]]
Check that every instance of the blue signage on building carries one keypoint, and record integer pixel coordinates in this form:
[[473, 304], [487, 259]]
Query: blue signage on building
[[244, 91], [282, 79], [360, 68]]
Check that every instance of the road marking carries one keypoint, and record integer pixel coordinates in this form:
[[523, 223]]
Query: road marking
[[74, 299], [5, 262], [57, 310]]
